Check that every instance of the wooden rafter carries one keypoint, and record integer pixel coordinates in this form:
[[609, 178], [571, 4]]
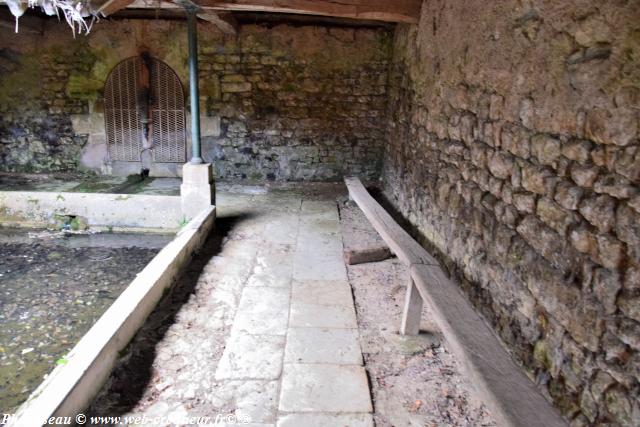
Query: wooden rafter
[[223, 20], [382, 10], [110, 7], [378, 10]]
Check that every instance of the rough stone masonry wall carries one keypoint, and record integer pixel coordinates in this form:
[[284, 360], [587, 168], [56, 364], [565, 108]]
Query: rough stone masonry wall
[[278, 103], [513, 150]]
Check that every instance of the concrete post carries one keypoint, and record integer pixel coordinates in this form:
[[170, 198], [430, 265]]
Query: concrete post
[[197, 191]]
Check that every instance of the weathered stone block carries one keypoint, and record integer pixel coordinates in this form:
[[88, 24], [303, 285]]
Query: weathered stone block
[[544, 240], [629, 334], [537, 180], [610, 251], [516, 140], [495, 186], [604, 156], [599, 211], [453, 148], [453, 127], [632, 277], [627, 163], [577, 150], [627, 227], [467, 127], [634, 202], [618, 126], [88, 123], [478, 155], [588, 405], [527, 113], [545, 148], [568, 196], [233, 78], [585, 175], [458, 97], [524, 202], [554, 215], [630, 306], [235, 87], [584, 241], [509, 216], [615, 186], [500, 165]]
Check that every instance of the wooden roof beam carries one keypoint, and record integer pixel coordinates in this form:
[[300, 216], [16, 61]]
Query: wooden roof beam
[[381, 10], [223, 20], [110, 7]]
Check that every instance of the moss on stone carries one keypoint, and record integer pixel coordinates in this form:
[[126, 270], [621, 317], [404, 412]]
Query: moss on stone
[[82, 86], [19, 89]]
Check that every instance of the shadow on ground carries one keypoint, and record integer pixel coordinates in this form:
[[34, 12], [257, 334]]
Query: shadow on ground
[[133, 372]]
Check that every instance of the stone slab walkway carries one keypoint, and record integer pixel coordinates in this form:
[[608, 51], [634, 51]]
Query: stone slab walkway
[[269, 330], [296, 326]]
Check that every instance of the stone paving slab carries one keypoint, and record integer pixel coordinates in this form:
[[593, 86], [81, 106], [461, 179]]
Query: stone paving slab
[[263, 310], [273, 266], [269, 280], [283, 230], [320, 245], [324, 388], [323, 345], [322, 292], [251, 357], [307, 266], [322, 316], [326, 420], [257, 399]]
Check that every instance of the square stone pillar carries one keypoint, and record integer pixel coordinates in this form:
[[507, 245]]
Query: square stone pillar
[[198, 190]]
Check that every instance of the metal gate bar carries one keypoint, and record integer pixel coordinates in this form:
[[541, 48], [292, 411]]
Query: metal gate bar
[[122, 118]]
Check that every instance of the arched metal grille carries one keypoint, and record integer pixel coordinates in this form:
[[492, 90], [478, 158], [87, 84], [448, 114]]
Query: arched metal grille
[[167, 114], [125, 125]]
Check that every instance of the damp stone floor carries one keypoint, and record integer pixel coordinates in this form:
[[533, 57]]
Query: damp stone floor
[[268, 331]]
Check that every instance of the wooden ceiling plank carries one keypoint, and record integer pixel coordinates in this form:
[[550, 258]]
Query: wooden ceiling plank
[[383, 10], [112, 6], [223, 20]]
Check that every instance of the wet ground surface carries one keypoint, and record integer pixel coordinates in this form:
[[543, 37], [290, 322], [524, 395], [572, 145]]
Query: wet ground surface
[[53, 287]]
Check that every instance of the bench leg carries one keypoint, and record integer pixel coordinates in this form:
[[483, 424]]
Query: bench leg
[[412, 311]]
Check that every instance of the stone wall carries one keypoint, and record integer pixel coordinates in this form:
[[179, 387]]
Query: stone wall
[[513, 150], [278, 103]]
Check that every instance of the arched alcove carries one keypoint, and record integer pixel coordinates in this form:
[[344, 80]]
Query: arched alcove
[[144, 110]]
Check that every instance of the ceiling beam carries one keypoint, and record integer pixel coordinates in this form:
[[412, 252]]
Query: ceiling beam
[[223, 20], [112, 6], [381, 10]]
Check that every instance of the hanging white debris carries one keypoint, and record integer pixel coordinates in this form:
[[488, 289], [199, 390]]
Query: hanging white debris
[[74, 11], [17, 9]]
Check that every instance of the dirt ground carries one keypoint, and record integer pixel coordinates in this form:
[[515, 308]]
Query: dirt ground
[[415, 381]]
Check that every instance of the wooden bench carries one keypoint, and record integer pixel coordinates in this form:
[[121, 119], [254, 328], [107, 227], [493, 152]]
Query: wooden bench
[[512, 397]]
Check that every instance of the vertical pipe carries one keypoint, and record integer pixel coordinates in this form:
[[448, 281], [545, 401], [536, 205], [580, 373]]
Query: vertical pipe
[[193, 86]]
